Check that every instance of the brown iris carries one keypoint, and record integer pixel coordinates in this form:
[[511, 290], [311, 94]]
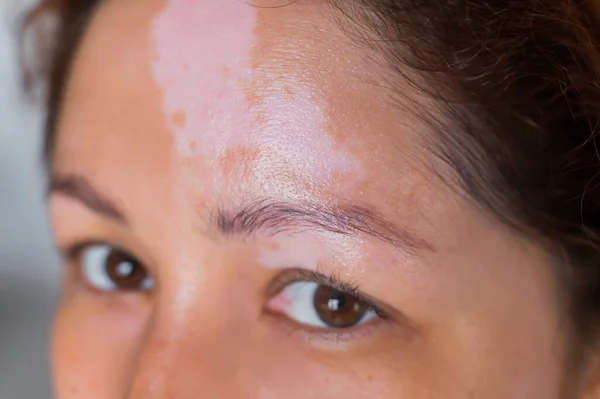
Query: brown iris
[[338, 309], [124, 271]]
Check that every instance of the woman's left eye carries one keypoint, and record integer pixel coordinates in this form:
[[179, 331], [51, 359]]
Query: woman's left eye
[[321, 306]]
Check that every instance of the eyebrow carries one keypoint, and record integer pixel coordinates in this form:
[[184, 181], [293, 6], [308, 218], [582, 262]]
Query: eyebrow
[[273, 217], [266, 216], [79, 189]]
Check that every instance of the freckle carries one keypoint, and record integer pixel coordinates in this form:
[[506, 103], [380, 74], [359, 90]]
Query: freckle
[[179, 119], [337, 132], [186, 66], [226, 71], [238, 157], [187, 162], [288, 91], [252, 96], [261, 118], [193, 144], [271, 245]]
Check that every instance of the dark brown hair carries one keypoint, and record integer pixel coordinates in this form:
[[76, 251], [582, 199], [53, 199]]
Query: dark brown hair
[[516, 84]]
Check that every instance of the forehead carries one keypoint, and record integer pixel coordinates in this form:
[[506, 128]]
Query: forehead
[[300, 43], [204, 77]]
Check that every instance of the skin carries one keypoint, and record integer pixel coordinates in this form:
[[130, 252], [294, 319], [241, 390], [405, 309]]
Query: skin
[[175, 111]]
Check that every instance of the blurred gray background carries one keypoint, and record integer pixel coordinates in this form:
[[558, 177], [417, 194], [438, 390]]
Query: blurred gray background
[[28, 263]]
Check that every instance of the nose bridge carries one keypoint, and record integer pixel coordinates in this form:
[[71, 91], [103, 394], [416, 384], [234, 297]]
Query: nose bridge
[[191, 348]]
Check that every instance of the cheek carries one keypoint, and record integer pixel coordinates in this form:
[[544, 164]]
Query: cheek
[[94, 346]]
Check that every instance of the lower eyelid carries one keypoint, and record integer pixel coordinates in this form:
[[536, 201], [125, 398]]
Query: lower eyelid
[[329, 339]]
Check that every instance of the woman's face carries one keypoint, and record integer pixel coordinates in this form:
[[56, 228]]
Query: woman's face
[[246, 214]]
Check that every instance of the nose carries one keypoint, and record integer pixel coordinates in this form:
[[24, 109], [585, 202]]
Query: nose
[[198, 345]]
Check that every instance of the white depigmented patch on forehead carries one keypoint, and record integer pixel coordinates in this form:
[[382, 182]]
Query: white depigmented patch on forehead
[[310, 251], [289, 251], [202, 50], [203, 60], [295, 129]]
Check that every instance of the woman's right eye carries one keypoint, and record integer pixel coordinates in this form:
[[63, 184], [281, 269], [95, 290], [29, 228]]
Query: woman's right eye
[[107, 268]]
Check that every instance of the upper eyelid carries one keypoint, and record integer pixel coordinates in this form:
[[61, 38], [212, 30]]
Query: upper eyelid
[[74, 249]]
